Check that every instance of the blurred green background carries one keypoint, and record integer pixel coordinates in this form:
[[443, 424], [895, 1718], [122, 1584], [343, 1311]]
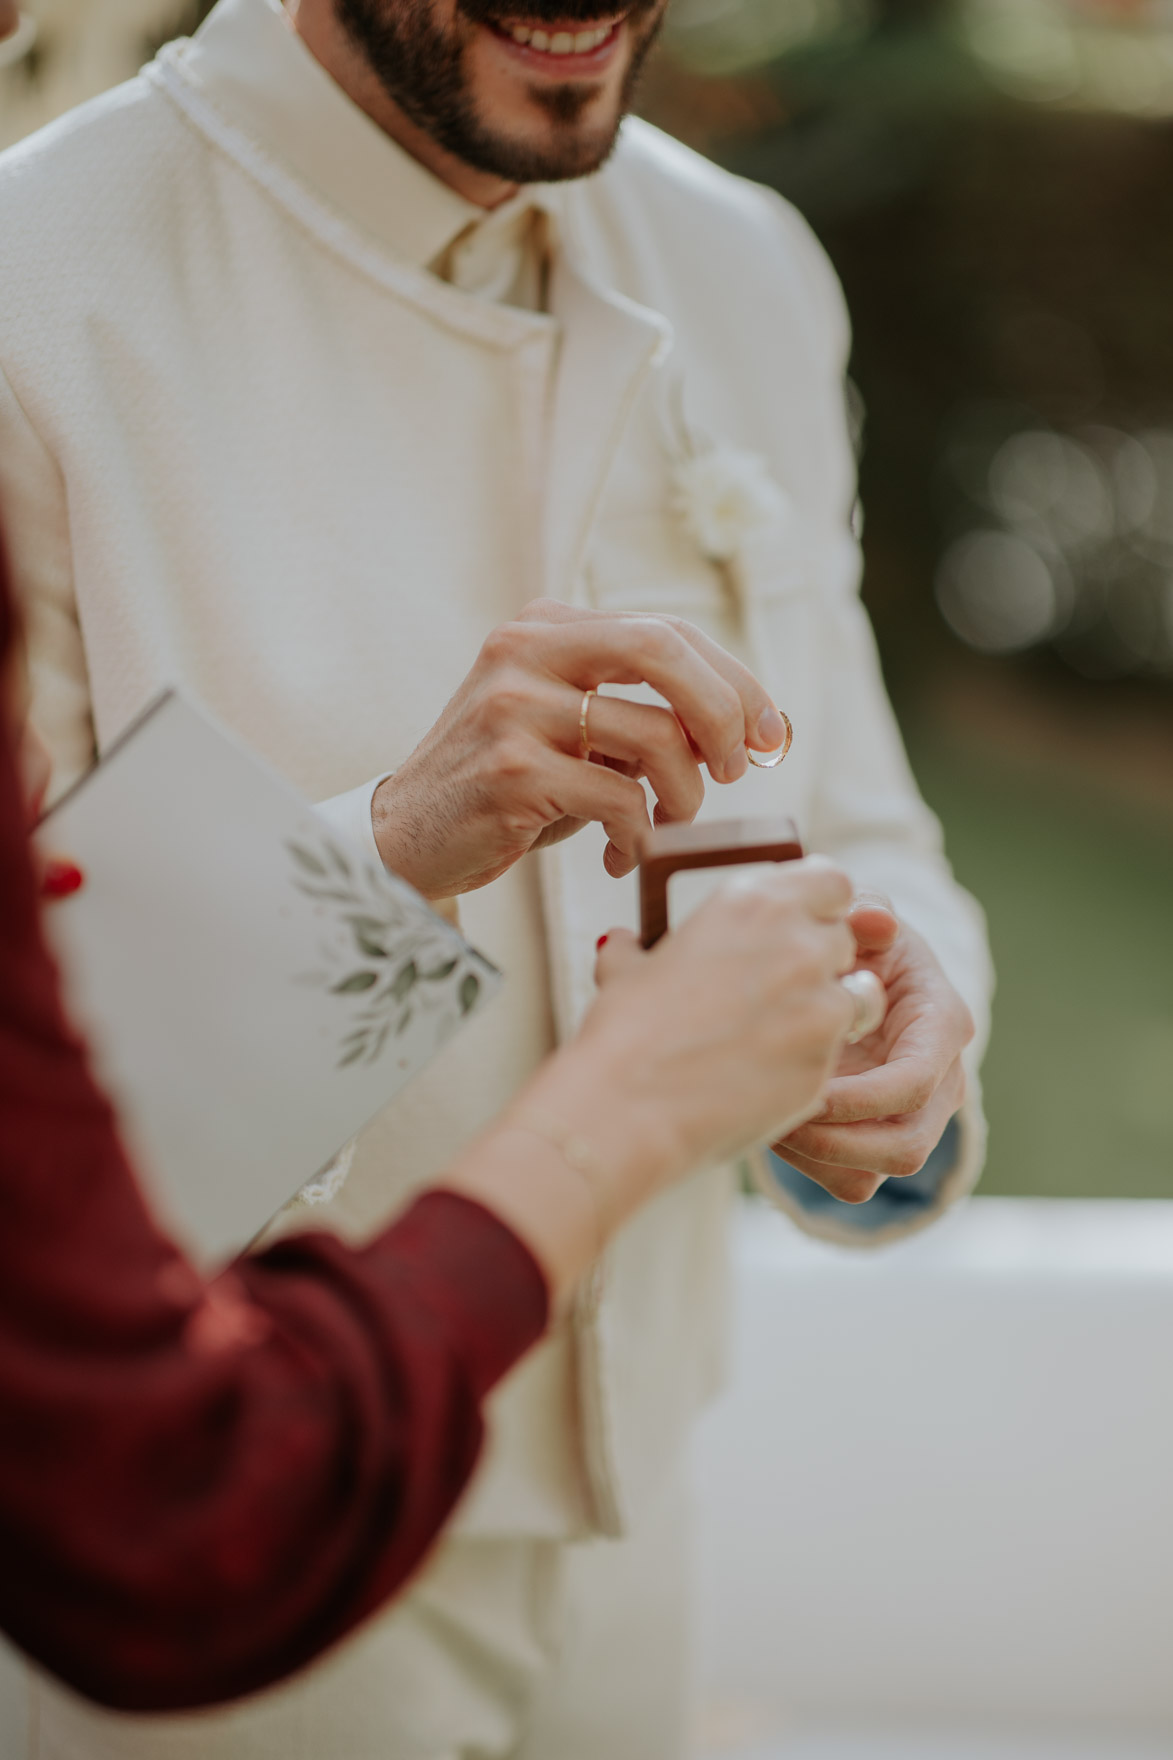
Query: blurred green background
[[994, 183], [993, 180]]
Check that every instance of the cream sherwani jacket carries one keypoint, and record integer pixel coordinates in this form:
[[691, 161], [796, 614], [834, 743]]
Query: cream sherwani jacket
[[251, 445]]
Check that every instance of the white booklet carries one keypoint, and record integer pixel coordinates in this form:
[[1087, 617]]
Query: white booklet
[[253, 990]]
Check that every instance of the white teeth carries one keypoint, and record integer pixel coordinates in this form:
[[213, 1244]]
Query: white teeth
[[562, 42]]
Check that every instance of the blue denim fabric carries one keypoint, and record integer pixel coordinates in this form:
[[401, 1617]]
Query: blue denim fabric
[[897, 1201]]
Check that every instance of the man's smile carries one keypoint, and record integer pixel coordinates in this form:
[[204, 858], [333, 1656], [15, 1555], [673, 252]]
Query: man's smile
[[568, 48]]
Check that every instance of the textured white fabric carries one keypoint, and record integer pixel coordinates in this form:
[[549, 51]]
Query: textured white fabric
[[349, 814], [249, 444]]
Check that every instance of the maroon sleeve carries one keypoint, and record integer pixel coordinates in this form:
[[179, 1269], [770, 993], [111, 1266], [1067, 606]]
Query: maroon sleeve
[[203, 1485]]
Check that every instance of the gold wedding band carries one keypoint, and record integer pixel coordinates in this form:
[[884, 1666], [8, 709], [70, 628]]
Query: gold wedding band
[[870, 1001], [775, 758], [582, 723]]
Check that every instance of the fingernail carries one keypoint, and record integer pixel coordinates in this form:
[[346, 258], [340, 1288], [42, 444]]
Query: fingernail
[[873, 901], [601, 943], [60, 879], [771, 730]]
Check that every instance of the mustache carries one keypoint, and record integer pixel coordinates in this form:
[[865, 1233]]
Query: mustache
[[492, 12]]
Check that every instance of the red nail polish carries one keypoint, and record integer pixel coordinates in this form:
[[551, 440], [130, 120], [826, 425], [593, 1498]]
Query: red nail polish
[[601, 943], [60, 879]]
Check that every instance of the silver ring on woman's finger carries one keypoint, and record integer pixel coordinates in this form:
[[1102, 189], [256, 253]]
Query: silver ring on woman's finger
[[870, 1001], [585, 745]]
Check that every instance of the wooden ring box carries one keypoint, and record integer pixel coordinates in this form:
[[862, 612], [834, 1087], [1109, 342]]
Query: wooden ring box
[[716, 843]]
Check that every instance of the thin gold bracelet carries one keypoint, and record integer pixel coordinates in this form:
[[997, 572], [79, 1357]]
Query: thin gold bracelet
[[582, 1159]]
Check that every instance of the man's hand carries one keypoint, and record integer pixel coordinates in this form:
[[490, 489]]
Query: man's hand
[[502, 771], [9, 18], [894, 1093]]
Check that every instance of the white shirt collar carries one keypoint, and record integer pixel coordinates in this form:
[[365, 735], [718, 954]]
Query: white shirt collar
[[251, 64]]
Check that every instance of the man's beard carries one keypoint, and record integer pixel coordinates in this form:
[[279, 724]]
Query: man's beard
[[423, 69]]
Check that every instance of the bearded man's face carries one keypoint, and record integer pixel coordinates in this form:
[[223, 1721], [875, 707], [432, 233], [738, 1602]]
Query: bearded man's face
[[531, 96]]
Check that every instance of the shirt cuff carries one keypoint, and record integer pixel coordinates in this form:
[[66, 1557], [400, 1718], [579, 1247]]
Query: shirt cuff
[[899, 1207], [349, 815], [479, 1275]]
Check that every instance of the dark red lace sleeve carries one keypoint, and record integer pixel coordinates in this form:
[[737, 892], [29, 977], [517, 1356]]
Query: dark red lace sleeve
[[202, 1486]]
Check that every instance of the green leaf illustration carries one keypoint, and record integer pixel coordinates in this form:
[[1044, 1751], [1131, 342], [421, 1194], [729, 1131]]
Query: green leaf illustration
[[380, 1041], [357, 981], [353, 1055], [470, 989], [404, 1022], [372, 949], [438, 972], [309, 861], [367, 925], [339, 860], [325, 892], [405, 981]]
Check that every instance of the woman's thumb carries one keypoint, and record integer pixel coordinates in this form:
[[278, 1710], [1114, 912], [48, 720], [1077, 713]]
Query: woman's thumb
[[619, 952]]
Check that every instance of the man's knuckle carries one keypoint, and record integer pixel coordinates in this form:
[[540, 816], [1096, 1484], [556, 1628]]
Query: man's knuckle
[[508, 701], [910, 1157], [657, 640], [514, 760], [857, 1188], [818, 1144], [665, 736], [921, 1093], [500, 645]]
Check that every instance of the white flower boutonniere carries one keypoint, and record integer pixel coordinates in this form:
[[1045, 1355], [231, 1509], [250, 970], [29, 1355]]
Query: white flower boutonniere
[[725, 496]]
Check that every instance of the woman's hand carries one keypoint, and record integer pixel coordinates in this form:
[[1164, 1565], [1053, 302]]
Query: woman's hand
[[59, 877], [502, 771], [724, 1035]]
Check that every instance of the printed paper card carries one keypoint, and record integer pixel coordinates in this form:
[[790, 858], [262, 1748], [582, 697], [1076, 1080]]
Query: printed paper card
[[253, 989]]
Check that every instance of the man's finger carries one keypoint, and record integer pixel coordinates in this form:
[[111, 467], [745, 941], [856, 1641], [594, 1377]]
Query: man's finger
[[896, 1089], [896, 1150], [765, 729], [554, 611], [619, 805], [851, 1185], [651, 742], [648, 650]]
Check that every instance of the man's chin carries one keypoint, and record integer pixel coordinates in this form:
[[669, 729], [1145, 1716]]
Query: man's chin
[[544, 154]]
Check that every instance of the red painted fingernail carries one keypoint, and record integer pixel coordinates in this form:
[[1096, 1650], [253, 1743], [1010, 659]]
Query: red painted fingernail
[[60, 879], [601, 943]]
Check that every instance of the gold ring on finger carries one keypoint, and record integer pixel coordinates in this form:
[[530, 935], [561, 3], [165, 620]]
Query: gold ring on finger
[[584, 739], [772, 761]]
